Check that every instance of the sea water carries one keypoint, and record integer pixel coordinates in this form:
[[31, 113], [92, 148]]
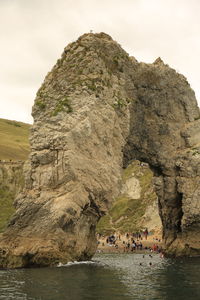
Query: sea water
[[106, 277]]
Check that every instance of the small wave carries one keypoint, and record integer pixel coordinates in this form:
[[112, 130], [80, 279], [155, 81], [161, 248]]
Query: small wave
[[73, 263]]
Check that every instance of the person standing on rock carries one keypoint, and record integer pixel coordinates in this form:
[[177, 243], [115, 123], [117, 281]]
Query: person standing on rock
[[146, 233]]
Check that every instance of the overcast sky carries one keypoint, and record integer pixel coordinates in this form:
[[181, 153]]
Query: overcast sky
[[33, 34]]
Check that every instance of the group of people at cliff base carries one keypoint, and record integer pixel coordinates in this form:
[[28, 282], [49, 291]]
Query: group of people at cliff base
[[139, 235], [129, 242], [131, 247], [113, 238]]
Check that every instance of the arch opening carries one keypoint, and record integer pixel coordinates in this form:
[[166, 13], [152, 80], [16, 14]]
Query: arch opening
[[132, 212]]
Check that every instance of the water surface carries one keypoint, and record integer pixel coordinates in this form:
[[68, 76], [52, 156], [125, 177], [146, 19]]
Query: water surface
[[108, 276]]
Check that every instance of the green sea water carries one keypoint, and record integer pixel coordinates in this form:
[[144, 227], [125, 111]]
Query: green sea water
[[106, 277]]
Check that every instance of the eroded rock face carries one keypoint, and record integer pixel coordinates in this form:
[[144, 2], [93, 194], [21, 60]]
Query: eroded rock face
[[97, 110]]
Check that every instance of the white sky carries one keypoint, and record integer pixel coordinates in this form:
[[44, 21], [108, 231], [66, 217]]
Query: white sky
[[33, 34]]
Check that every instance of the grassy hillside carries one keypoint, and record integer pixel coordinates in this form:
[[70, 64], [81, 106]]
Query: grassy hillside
[[127, 213], [14, 142], [14, 145], [6, 206], [11, 181]]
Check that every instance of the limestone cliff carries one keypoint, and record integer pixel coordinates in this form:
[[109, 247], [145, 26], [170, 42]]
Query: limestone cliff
[[97, 110]]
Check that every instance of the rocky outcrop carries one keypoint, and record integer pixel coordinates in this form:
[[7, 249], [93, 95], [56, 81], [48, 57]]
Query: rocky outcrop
[[97, 110]]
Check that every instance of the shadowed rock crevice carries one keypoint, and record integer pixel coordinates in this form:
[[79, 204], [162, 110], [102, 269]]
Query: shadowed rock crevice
[[97, 110]]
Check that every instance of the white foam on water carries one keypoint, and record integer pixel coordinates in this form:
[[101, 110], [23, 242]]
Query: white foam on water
[[72, 263]]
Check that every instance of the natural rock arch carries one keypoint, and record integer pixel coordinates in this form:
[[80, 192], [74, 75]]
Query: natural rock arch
[[97, 110]]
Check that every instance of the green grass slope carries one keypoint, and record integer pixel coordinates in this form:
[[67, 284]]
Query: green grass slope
[[14, 142], [11, 182], [6, 205], [126, 214], [14, 145]]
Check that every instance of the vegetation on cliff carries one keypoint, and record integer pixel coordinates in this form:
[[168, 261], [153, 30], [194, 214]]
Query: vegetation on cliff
[[14, 146], [127, 213], [11, 181]]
